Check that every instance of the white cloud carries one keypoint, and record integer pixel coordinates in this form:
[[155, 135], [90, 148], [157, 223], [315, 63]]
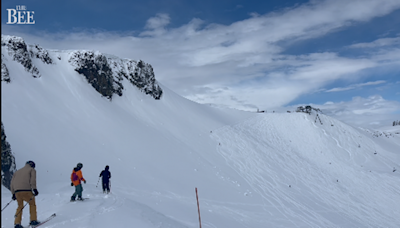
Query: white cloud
[[339, 89], [199, 61], [378, 43], [160, 21], [373, 111], [156, 25]]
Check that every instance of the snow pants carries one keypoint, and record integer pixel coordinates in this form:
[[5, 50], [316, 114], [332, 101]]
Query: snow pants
[[78, 191], [106, 186], [28, 197]]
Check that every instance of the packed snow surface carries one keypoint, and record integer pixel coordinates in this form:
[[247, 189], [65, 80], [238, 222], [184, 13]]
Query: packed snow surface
[[251, 170]]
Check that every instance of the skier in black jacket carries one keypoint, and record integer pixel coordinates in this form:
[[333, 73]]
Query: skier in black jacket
[[106, 179]]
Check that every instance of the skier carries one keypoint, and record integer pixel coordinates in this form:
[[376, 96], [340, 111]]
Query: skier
[[76, 178], [22, 184], [106, 179]]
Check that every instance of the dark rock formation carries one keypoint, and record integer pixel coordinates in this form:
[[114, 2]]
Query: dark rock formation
[[308, 109], [96, 70], [5, 75], [40, 53], [17, 49], [106, 74], [7, 160]]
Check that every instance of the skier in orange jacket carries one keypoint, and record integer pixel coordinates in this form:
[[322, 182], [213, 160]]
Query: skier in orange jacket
[[76, 178]]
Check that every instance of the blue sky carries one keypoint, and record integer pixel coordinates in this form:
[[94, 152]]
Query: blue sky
[[129, 16], [241, 54]]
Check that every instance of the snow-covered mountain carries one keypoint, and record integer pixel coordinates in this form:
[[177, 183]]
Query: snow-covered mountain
[[104, 72], [251, 169]]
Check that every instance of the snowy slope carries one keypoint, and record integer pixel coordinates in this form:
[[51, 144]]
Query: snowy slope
[[314, 175], [251, 170]]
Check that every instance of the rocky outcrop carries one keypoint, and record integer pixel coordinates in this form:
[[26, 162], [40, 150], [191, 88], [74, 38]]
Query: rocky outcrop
[[5, 75], [308, 109], [7, 160], [106, 74], [143, 77], [17, 49], [96, 70], [40, 53]]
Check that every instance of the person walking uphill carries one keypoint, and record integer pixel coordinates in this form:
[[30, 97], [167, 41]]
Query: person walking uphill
[[76, 178], [106, 174], [23, 183]]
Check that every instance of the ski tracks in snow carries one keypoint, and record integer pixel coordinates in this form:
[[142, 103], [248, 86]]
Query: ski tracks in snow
[[296, 177], [337, 142], [82, 213], [256, 155], [101, 210]]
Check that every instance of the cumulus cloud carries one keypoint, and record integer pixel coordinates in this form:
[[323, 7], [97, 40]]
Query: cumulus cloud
[[156, 25]]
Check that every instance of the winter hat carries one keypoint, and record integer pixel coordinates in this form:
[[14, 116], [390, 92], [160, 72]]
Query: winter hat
[[31, 163], [79, 165], [107, 167]]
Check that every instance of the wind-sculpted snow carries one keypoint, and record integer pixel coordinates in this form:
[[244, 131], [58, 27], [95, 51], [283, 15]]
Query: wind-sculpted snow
[[313, 175]]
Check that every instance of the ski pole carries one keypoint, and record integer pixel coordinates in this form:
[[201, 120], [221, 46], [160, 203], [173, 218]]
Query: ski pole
[[24, 207], [98, 182], [6, 206]]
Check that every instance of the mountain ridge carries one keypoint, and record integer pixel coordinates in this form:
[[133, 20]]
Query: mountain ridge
[[103, 72]]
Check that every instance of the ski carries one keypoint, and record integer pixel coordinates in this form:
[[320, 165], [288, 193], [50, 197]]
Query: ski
[[83, 199], [43, 222]]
